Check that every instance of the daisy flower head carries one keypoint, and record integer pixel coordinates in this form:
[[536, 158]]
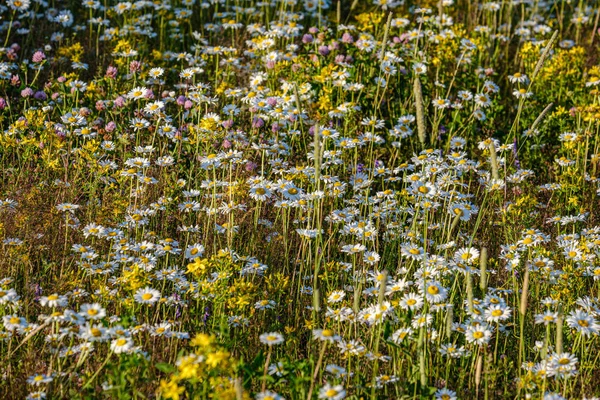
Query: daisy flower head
[[399, 335], [336, 370], [93, 230], [67, 207], [385, 380], [194, 251], [445, 394], [522, 93], [54, 300], [497, 313], [480, 334], [464, 95], [156, 72], [137, 93], [92, 311], [326, 335], [331, 392], [353, 347], [373, 122], [336, 296], [8, 204], [237, 321], [371, 257], [419, 68], [583, 323], [18, 5], [122, 345], [457, 142], [291, 192], [467, 44], [421, 320], [260, 192], [479, 114], [39, 379], [8, 296], [13, 322], [412, 251], [411, 301], [440, 103], [568, 137], [147, 295], [562, 365], [434, 292], [37, 395], [518, 77], [468, 255], [460, 210], [451, 350], [268, 395], [483, 100], [546, 318], [272, 338], [154, 107]]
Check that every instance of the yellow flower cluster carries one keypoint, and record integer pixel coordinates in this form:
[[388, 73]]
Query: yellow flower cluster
[[208, 372]]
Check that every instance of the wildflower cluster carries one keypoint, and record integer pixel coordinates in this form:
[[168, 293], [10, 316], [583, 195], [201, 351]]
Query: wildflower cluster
[[299, 199]]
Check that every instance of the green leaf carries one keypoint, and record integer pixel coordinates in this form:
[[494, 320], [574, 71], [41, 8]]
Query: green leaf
[[166, 368]]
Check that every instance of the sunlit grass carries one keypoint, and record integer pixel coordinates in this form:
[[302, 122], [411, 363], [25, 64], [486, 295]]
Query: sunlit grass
[[299, 199]]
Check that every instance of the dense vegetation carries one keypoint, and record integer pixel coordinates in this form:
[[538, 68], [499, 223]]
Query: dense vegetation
[[299, 199]]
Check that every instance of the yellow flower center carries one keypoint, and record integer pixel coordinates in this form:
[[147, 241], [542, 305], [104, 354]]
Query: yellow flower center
[[433, 290], [146, 296]]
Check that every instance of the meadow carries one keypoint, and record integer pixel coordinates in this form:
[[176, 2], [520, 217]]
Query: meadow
[[299, 199]]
